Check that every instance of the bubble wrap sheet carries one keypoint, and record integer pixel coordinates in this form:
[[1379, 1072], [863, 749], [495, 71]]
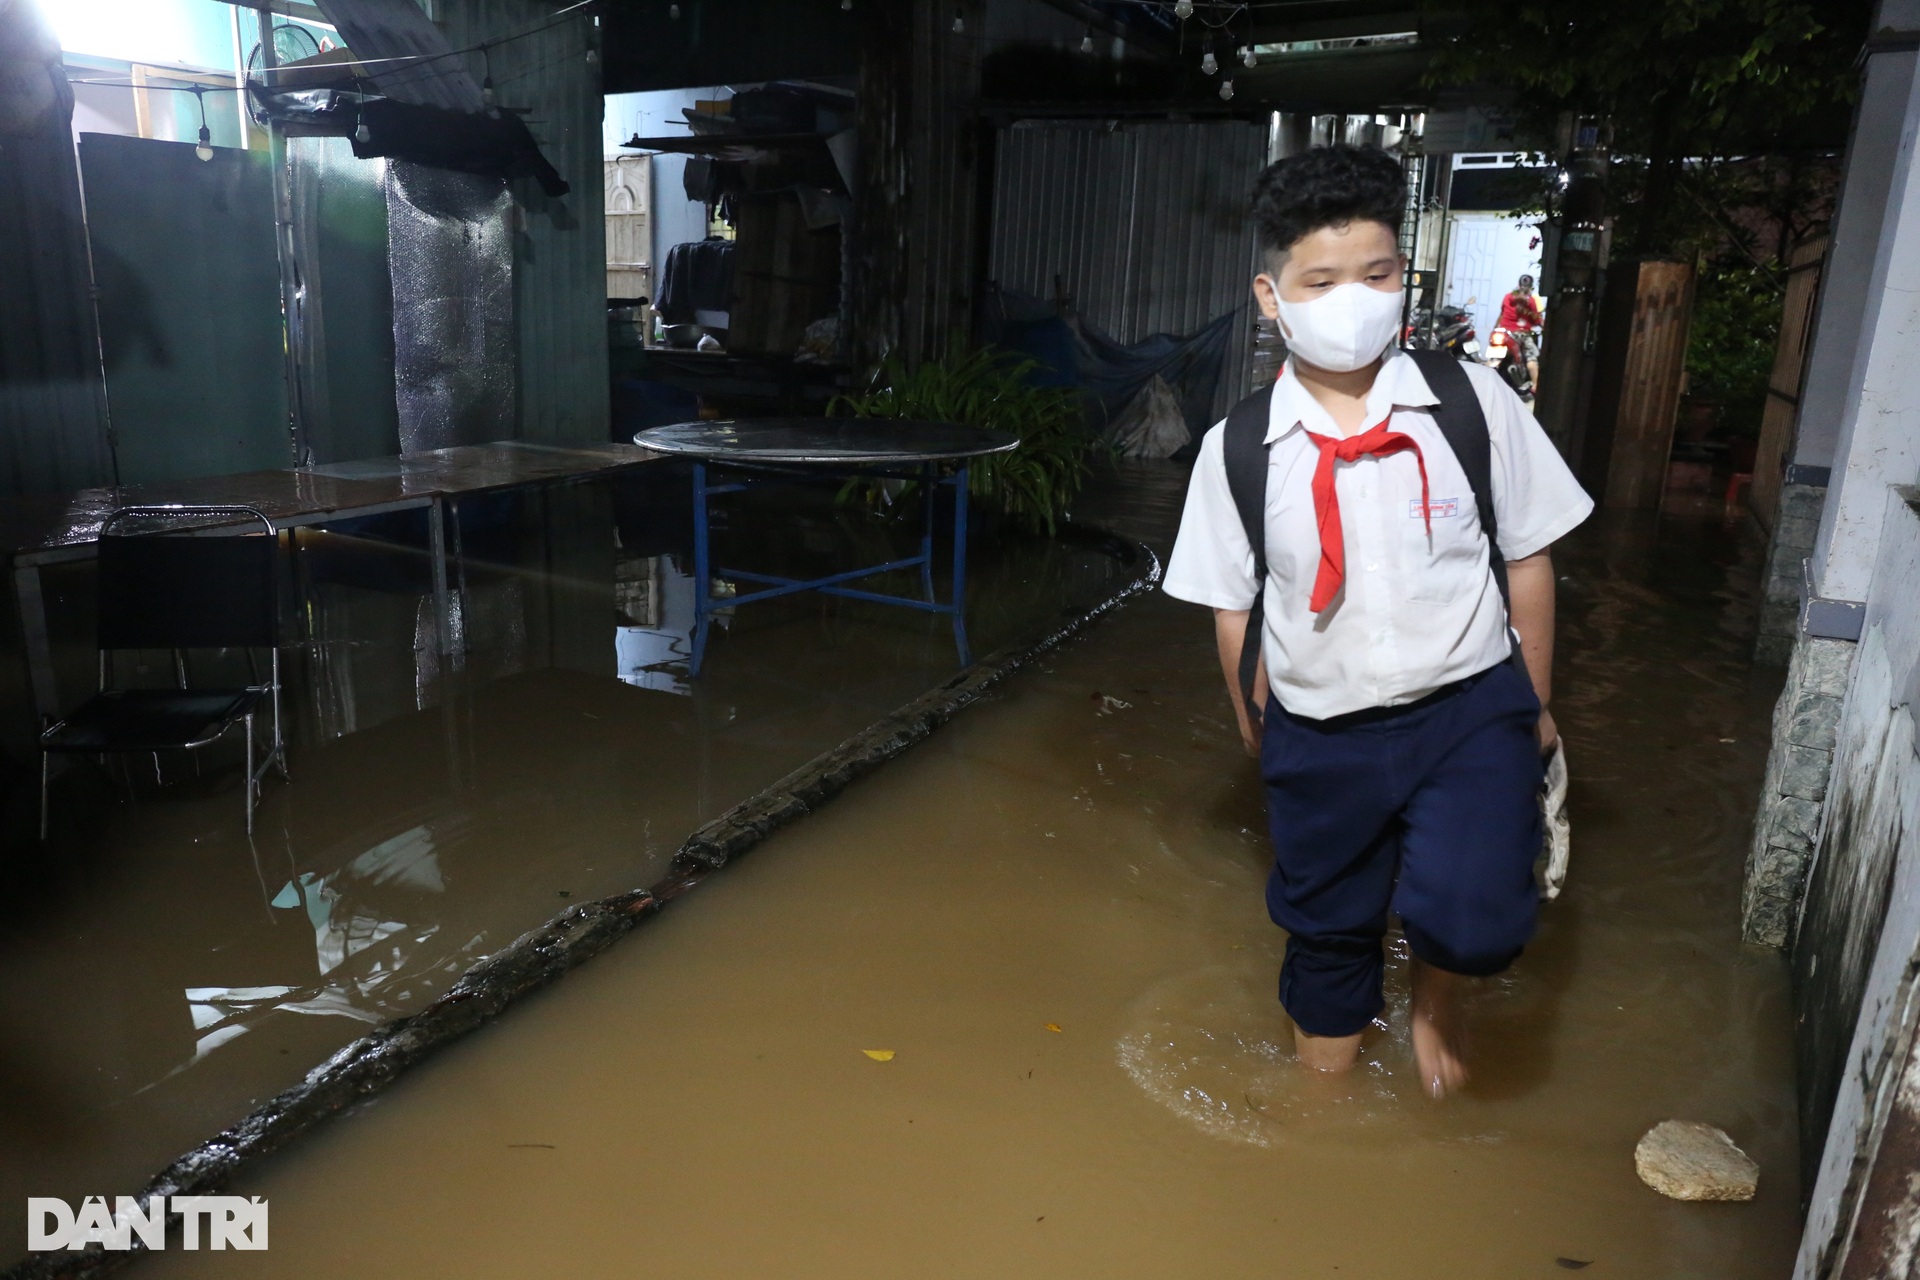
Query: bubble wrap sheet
[[450, 251]]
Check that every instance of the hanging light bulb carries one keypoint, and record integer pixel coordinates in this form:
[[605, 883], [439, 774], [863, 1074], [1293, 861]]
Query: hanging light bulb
[[959, 23], [673, 11], [1086, 41], [1183, 9], [846, 6], [361, 134], [1249, 58], [593, 56], [1226, 91], [1209, 63], [205, 148]]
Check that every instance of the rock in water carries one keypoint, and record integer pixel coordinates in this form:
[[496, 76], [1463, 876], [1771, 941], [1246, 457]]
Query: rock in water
[[1692, 1161]]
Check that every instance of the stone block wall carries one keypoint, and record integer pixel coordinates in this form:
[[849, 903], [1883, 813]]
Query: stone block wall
[[1795, 526], [1856, 942], [1805, 722]]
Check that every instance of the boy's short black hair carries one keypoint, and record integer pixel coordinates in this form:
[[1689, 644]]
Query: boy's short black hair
[[1325, 187]]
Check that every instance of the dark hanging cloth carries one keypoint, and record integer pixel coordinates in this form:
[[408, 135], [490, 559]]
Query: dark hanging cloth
[[698, 276]]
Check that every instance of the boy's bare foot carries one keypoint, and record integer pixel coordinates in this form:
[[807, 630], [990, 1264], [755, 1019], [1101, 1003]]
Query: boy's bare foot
[[1326, 1053], [1438, 1045]]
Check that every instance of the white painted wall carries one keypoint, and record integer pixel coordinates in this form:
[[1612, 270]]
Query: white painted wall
[[1486, 255], [1872, 821], [1879, 442]]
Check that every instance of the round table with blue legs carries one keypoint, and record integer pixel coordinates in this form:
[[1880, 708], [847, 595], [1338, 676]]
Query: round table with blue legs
[[757, 452]]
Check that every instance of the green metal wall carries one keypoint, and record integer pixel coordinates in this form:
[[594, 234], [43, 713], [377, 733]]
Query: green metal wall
[[344, 325], [189, 302], [559, 264]]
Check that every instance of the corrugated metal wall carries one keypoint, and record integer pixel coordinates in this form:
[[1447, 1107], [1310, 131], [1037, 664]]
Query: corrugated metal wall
[[1145, 225], [943, 177], [559, 268]]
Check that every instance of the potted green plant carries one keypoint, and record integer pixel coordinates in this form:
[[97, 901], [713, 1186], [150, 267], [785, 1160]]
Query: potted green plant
[[1031, 486]]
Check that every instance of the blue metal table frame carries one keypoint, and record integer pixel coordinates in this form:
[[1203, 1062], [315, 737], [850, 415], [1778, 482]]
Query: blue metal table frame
[[761, 453], [706, 604]]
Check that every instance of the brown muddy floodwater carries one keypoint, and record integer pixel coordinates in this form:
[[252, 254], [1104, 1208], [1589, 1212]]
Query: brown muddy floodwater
[[161, 974], [1050, 915]]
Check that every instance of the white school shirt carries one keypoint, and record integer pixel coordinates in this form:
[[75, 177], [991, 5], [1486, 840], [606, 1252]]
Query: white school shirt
[[1414, 613]]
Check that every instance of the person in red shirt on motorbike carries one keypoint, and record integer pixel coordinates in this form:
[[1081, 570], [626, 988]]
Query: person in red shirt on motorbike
[[1519, 324]]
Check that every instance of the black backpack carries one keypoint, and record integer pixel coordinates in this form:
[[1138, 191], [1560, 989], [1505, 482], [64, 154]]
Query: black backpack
[[1244, 450]]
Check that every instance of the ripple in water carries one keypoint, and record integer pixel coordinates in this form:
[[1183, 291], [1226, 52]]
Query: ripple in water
[[1213, 1046]]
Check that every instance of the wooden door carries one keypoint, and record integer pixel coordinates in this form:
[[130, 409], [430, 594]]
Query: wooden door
[[1783, 388], [1642, 357], [629, 206]]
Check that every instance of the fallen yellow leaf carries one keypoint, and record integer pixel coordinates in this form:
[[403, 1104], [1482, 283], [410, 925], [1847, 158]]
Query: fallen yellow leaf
[[879, 1055], [1053, 1026]]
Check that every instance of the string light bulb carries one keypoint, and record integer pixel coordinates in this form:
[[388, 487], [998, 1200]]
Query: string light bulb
[[204, 149], [1209, 63], [1086, 41], [1249, 58], [1183, 10], [1226, 91], [959, 23]]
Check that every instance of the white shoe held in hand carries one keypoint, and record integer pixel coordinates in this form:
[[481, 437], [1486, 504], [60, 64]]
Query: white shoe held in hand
[[1551, 868]]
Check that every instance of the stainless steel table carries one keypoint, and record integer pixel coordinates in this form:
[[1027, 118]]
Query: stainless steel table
[[53, 529]]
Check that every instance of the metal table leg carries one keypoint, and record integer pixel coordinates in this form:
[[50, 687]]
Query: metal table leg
[[702, 571], [930, 495], [461, 607], [706, 604], [437, 552], [959, 591]]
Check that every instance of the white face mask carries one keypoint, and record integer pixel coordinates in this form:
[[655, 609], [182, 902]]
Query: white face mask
[[1344, 329]]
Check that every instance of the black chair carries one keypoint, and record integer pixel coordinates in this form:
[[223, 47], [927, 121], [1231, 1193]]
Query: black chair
[[216, 587]]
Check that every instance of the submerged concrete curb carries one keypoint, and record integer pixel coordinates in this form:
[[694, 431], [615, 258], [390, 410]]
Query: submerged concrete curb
[[828, 774], [544, 954]]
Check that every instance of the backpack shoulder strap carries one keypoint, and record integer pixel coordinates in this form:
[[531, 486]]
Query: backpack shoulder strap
[[1464, 424], [1244, 452]]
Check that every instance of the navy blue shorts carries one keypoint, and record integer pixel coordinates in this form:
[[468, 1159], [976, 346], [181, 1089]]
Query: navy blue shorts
[[1430, 811]]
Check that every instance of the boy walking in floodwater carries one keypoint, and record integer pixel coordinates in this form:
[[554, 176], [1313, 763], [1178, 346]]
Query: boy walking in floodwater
[[1366, 635]]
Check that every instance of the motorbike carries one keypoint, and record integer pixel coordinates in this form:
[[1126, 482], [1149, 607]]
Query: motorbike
[[1449, 329], [1508, 358]]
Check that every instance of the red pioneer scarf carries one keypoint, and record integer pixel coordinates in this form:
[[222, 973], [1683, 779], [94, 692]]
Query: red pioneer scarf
[[1379, 442]]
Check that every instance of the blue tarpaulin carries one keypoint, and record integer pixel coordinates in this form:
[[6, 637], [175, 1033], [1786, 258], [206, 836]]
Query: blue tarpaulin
[[1109, 374]]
